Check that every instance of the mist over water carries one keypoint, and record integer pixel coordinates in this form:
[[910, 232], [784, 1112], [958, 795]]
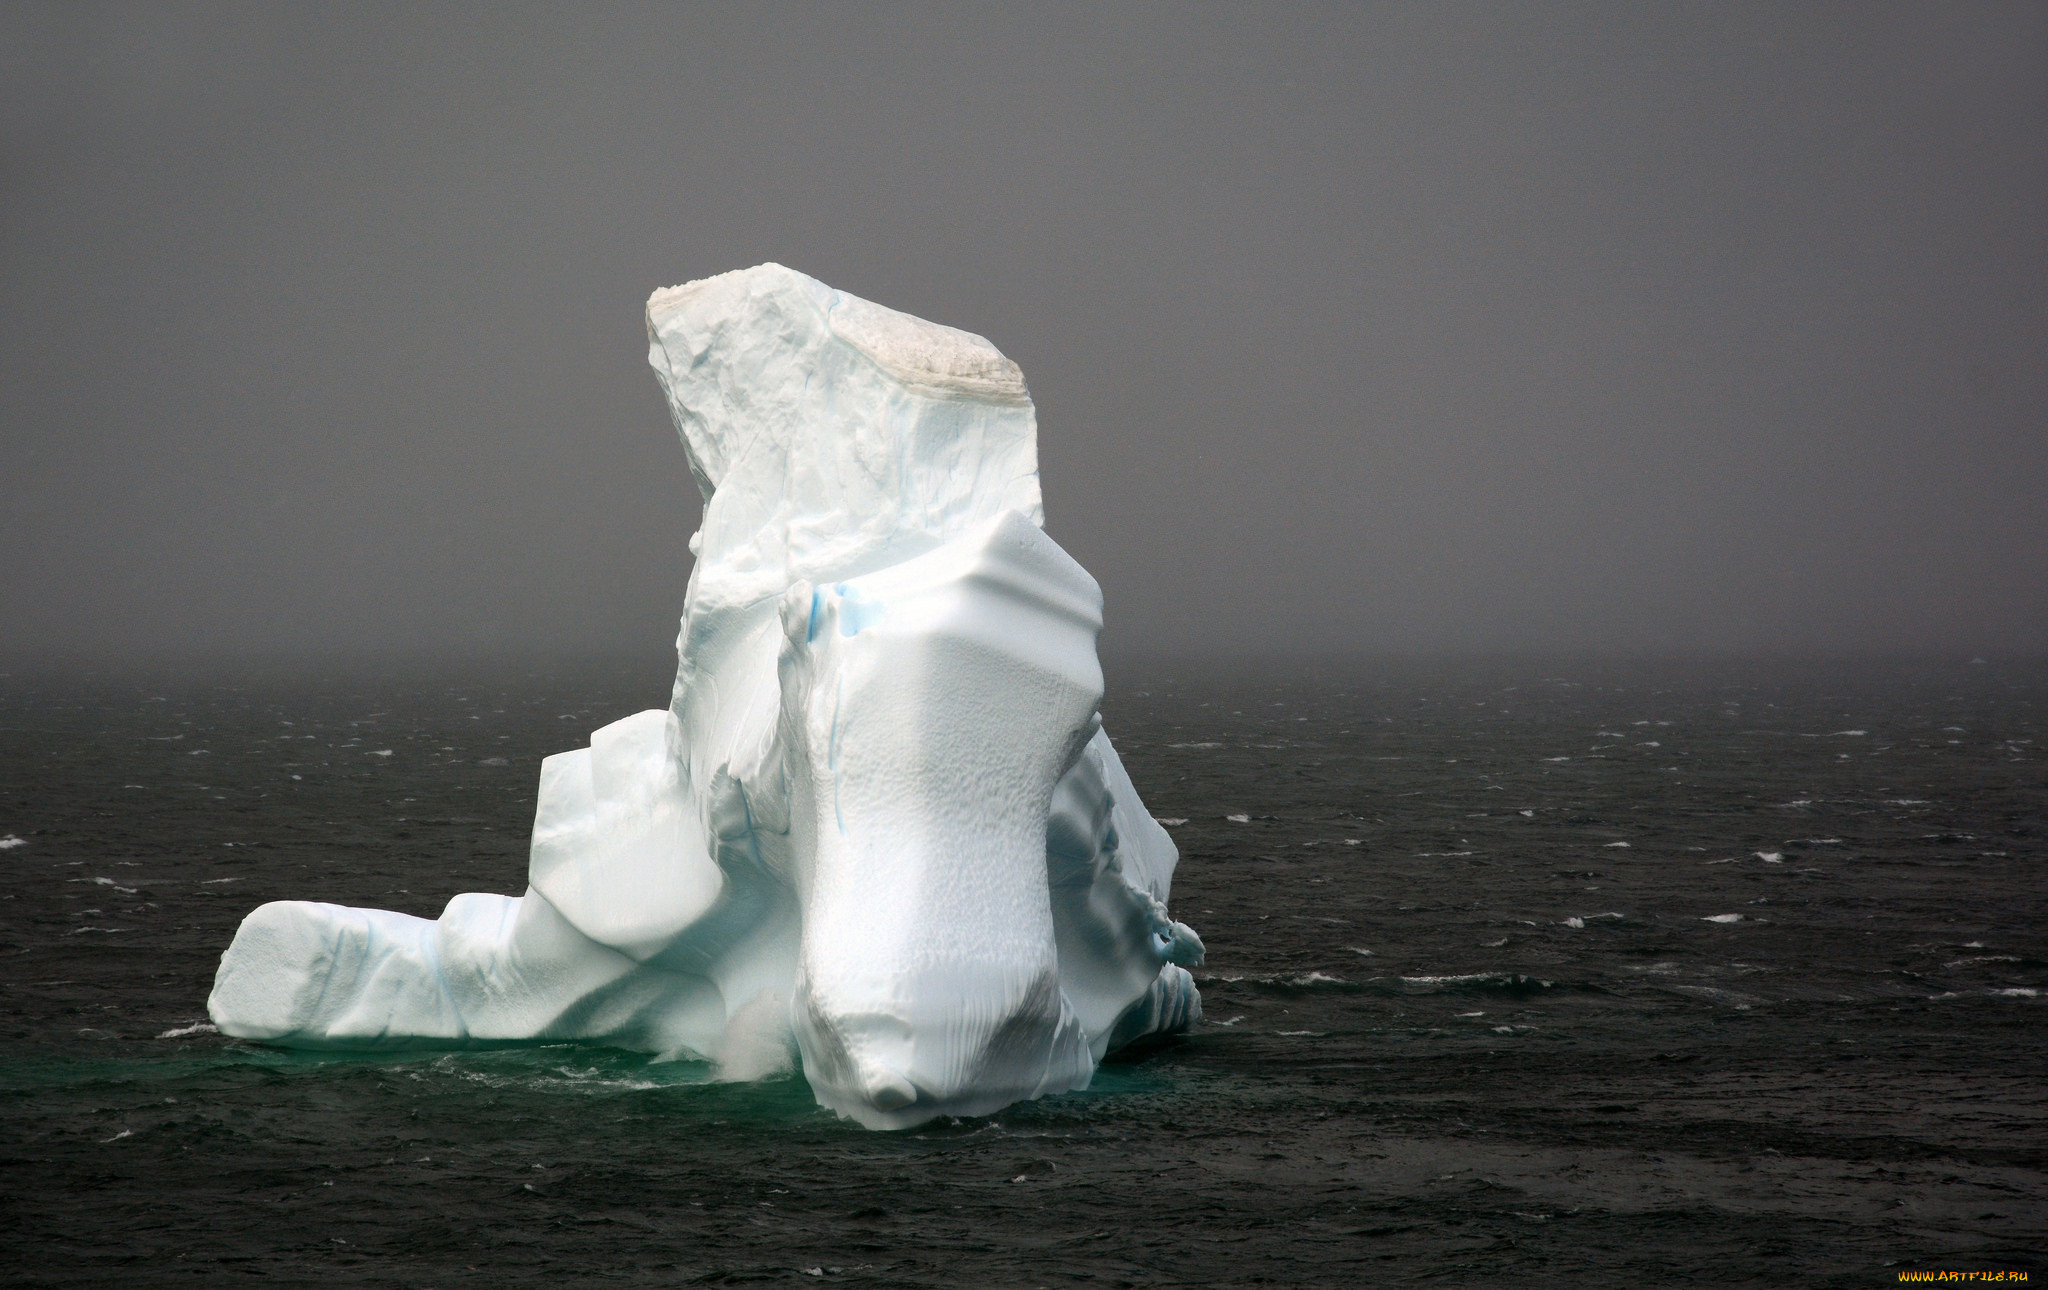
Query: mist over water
[[1364, 327], [1648, 974], [1579, 326], [1360, 327]]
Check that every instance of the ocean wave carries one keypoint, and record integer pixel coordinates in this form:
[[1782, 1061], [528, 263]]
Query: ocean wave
[[1714, 994], [1514, 985]]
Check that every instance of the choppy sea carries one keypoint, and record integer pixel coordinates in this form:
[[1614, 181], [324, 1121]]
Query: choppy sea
[[1519, 974]]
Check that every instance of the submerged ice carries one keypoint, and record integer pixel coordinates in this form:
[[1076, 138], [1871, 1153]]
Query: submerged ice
[[878, 829]]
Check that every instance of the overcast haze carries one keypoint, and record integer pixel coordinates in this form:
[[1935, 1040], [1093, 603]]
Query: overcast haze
[[1499, 326]]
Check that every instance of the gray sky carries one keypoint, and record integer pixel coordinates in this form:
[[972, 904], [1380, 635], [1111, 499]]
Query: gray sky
[[1434, 326]]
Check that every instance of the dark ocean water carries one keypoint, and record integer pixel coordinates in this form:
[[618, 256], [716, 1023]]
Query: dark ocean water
[[1472, 1019]]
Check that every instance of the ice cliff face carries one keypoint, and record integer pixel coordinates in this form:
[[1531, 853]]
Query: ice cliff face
[[878, 823]]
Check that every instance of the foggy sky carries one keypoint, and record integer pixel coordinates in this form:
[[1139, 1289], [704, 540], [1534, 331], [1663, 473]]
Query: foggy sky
[[1471, 327]]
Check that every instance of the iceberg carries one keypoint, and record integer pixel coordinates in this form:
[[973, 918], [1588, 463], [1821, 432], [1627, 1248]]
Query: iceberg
[[878, 830]]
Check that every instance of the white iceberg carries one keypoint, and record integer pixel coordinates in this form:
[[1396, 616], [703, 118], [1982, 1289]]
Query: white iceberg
[[878, 824]]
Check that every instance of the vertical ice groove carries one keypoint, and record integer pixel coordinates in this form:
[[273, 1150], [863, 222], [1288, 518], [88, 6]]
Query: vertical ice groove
[[878, 822]]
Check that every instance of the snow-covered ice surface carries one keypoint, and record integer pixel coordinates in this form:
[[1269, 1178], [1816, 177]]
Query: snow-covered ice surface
[[878, 824]]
